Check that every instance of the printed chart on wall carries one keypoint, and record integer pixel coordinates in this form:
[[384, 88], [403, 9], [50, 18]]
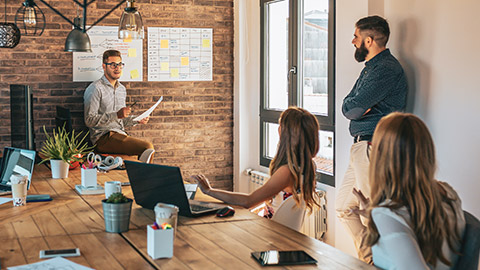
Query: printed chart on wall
[[87, 67], [179, 54]]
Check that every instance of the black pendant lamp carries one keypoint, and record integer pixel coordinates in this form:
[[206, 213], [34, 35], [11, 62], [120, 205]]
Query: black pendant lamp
[[78, 40], [9, 33], [30, 19]]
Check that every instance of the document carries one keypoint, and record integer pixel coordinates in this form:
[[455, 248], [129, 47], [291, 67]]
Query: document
[[149, 111], [57, 263], [5, 200]]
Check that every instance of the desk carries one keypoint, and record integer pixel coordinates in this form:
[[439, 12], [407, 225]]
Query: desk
[[208, 242]]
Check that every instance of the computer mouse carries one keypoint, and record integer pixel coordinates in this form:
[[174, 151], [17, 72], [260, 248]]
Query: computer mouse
[[226, 212]]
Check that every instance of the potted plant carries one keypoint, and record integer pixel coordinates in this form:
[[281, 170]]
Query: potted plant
[[116, 212], [62, 148]]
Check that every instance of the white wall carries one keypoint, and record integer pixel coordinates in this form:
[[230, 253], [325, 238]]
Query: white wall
[[437, 43]]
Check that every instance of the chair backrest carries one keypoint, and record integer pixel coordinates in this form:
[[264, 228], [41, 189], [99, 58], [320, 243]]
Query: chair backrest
[[289, 214], [470, 245]]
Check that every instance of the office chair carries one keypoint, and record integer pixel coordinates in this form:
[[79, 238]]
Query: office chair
[[470, 245], [289, 214]]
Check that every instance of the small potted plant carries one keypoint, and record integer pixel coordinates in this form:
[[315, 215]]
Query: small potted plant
[[62, 148], [116, 212]]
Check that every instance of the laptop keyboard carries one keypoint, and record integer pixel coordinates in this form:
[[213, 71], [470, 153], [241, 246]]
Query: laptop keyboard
[[198, 208]]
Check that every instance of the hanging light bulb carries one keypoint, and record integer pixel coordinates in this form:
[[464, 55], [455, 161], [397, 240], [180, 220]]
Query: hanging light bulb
[[131, 25], [29, 18]]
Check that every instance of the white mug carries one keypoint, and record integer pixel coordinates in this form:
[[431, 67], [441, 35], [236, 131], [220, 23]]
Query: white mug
[[112, 187]]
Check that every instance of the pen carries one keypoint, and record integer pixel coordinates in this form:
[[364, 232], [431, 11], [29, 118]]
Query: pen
[[133, 104]]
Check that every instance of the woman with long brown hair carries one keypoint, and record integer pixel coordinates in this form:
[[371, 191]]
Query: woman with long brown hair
[[292, 169], [416, 221]]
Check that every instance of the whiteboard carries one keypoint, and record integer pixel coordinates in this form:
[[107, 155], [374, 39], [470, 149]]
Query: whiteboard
[[180, 54], [87, 67]]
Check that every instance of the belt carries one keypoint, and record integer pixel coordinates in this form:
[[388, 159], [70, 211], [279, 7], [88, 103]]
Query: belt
[[362, 138]]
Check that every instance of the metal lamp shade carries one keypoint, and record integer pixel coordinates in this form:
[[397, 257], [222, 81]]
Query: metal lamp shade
[[9, 35], [78, 41]]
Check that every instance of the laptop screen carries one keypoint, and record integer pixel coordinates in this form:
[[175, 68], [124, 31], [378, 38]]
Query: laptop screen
[[16, 161]]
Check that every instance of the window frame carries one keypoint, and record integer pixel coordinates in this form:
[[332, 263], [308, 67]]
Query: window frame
[[295, 86]]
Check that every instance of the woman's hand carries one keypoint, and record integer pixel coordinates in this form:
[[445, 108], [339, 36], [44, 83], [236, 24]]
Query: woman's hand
[[202, 183], [364, 203]]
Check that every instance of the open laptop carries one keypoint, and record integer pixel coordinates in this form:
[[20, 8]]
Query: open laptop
[[154, 183], [15, 161]]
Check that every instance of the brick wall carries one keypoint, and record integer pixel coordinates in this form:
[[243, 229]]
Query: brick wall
[[193, 128]]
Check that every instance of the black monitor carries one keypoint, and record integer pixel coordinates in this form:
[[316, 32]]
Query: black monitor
[[21, 117], [63, 118]]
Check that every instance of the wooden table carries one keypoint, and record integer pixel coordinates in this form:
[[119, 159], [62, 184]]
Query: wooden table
[[208, 242]]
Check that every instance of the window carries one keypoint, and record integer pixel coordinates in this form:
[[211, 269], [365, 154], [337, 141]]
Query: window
[[297, 58]]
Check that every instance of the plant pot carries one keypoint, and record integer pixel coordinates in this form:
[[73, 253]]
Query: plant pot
[[59, 168], [117, 216]]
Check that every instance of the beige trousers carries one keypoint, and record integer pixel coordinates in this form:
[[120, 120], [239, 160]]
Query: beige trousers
[[356, 176]]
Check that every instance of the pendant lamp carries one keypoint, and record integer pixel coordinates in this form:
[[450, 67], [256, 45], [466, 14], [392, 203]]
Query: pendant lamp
[[131, 25], [9, 33], [30, 19]]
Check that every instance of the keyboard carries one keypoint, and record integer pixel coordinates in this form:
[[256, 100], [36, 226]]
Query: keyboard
[[198, 208]]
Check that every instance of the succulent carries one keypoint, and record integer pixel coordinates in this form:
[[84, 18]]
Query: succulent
[[117, 197]]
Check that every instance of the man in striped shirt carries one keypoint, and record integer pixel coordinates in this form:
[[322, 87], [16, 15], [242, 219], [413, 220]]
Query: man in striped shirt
[[107, 115], [380, 90]]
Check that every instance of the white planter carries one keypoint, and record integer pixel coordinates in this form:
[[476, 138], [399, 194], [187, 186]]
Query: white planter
[[59, 168]]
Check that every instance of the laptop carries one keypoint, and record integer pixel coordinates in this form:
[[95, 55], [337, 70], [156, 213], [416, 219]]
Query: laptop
[[154, 183], [15, 161]]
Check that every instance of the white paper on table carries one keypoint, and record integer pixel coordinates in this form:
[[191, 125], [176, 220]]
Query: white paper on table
[[149, 111], [57, 263], [5, 200]]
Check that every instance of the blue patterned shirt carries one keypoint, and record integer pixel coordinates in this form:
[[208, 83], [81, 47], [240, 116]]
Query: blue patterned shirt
[[381, 87]]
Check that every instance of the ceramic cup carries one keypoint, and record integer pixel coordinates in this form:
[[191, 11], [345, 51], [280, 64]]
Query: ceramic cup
[[112, 187]]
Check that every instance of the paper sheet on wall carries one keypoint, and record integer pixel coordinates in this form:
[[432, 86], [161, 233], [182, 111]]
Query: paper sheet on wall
[[87, 67], [149, 111], [57, 263], [180, 54]]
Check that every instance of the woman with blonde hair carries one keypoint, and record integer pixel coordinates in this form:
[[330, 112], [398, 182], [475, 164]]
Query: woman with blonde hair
[[416, 221], [292, 169]]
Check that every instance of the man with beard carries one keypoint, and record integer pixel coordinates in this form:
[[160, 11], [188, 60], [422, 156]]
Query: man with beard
[[106, 114], [380, 90]]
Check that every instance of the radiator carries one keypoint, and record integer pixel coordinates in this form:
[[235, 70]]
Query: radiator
[[315, 225]]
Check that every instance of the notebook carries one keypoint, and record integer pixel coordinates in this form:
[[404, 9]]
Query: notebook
[[154, 183], [15, 161]]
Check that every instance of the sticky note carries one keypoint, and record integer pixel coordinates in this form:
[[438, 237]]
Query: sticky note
[[129, 39], [134, 74], [174, 72], [132, 52], [184, 61], [164, 66], [164, 43], [206, 43]]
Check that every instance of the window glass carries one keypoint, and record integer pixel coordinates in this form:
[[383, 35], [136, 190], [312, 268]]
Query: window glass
[[315, 56], [272, 139], [277, 53], [324, 158]]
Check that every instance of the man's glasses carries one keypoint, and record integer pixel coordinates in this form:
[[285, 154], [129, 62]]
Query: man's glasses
[[115, 65]]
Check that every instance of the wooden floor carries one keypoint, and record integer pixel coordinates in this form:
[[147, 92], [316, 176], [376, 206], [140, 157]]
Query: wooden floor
[[209, 242]]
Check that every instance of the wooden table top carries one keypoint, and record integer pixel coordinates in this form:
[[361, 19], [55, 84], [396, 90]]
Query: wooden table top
[[207, 242]]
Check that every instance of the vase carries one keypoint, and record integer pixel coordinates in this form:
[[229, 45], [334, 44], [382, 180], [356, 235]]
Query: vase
[[59, 168], [117, 216]]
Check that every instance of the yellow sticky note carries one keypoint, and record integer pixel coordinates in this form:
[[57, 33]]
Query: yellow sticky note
[[129, 39], [184, 61], [164, 43], [206, 43], [134, 74], [132, 52], [174, 72], [164, 66]]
